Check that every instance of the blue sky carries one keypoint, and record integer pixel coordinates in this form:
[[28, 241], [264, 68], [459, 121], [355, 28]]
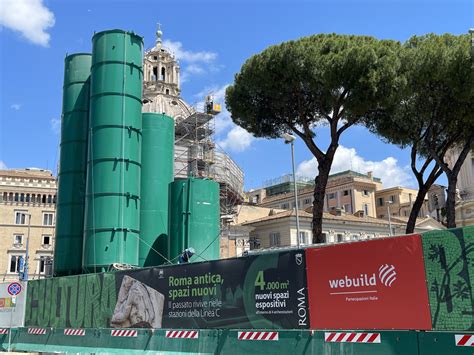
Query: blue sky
[[212, 40]]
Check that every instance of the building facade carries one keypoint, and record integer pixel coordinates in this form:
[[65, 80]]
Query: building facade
[[465, 187], [27, 216], [399, 200], [349, 191], [278, 229]]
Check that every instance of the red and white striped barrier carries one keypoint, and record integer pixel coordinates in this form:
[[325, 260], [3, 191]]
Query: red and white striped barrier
[[464, 340], [257, 335], [3, 331], [78, 332], [37, 331], [123, 333], [186, 334], [333, 337]]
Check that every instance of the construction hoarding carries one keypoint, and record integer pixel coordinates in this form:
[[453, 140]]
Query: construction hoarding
[[449, 264], [12, 304], [264, 291], [376, 284]]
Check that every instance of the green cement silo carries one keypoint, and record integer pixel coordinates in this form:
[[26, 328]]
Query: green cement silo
[[156, 175], [194, 218], [72, 165], [112, 222]]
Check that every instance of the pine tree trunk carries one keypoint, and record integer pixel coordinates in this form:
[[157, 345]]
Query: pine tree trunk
[[415, 210], [320, 183], [451, 200]]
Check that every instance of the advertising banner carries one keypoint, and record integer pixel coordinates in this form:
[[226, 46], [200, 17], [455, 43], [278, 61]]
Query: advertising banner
[[12, 304], [261, 291], [377, 284], [449, 264]]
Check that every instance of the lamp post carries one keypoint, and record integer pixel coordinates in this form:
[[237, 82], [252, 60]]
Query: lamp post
[[290, 139], [389, 218]]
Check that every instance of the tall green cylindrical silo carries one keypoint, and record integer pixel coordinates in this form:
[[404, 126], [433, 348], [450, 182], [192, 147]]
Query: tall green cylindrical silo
[[72, 166], [157, 173], [194, 218], [112, 216]]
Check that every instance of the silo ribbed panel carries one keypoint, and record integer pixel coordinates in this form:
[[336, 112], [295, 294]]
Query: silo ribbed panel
[[157, 174], [72, 166], [112, 224]]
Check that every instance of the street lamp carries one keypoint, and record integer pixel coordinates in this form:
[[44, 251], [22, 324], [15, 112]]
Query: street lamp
[[290, 139], [389, 218]]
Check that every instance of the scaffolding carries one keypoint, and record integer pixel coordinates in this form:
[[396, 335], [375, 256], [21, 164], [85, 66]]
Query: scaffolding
[[194, 147]]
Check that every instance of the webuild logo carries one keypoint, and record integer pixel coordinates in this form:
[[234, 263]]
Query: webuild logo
[[386, 275]]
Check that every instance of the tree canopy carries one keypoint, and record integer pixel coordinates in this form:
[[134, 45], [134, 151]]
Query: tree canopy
[[434, 113], [325, 79]]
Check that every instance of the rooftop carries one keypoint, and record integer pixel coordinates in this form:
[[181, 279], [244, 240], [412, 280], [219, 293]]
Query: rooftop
[[28, 173]]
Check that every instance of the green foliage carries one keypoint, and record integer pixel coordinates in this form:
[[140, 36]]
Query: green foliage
[[314, 80], [435, 108]]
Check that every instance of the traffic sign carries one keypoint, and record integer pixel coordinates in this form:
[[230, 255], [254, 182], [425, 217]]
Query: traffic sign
[[14, 288]]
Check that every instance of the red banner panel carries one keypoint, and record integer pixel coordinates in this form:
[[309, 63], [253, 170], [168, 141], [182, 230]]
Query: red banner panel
[[377, 284]]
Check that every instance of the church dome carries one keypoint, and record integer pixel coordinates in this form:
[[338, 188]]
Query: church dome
[[173, 106]]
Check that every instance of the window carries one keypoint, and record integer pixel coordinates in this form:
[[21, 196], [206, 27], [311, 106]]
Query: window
[[346, 192], [347, 208], [155, 73], [392, 198], [16, 197], [307, 201], [365, 192], [46, 240], [20, 217], [354, 237], [18, 239], [304, 238], [163, 72], [47, 219], [331, 196], [42, 264], [324, 237], [366, 209], [254, 242], [380, 201], [285, 206], [14, 263], [340, 238], [381, 216], [274, 239]]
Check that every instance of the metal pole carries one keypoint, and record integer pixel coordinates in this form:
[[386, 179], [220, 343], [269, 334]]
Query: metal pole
[[389, 220], [27, 255], [296, 196]]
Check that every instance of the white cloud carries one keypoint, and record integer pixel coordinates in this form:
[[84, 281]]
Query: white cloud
[[15, 107], [387, 169], [193, 63], [3, 166], [189, 56], [29, 17], [55, 125], [236, 140]]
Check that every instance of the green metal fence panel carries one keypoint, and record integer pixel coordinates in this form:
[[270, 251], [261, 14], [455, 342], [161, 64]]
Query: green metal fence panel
[[112, 209], [234, 342], [449, 265], [444, 343], [72, 166]]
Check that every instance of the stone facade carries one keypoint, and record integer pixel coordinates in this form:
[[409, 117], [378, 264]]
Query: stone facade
[[350, 191], [400, 199], [25, 193]]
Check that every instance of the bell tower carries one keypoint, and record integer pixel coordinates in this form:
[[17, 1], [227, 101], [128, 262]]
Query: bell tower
[[160, 71]]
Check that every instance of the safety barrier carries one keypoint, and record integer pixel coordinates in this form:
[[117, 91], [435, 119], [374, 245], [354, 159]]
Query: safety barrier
[[240, 341]]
